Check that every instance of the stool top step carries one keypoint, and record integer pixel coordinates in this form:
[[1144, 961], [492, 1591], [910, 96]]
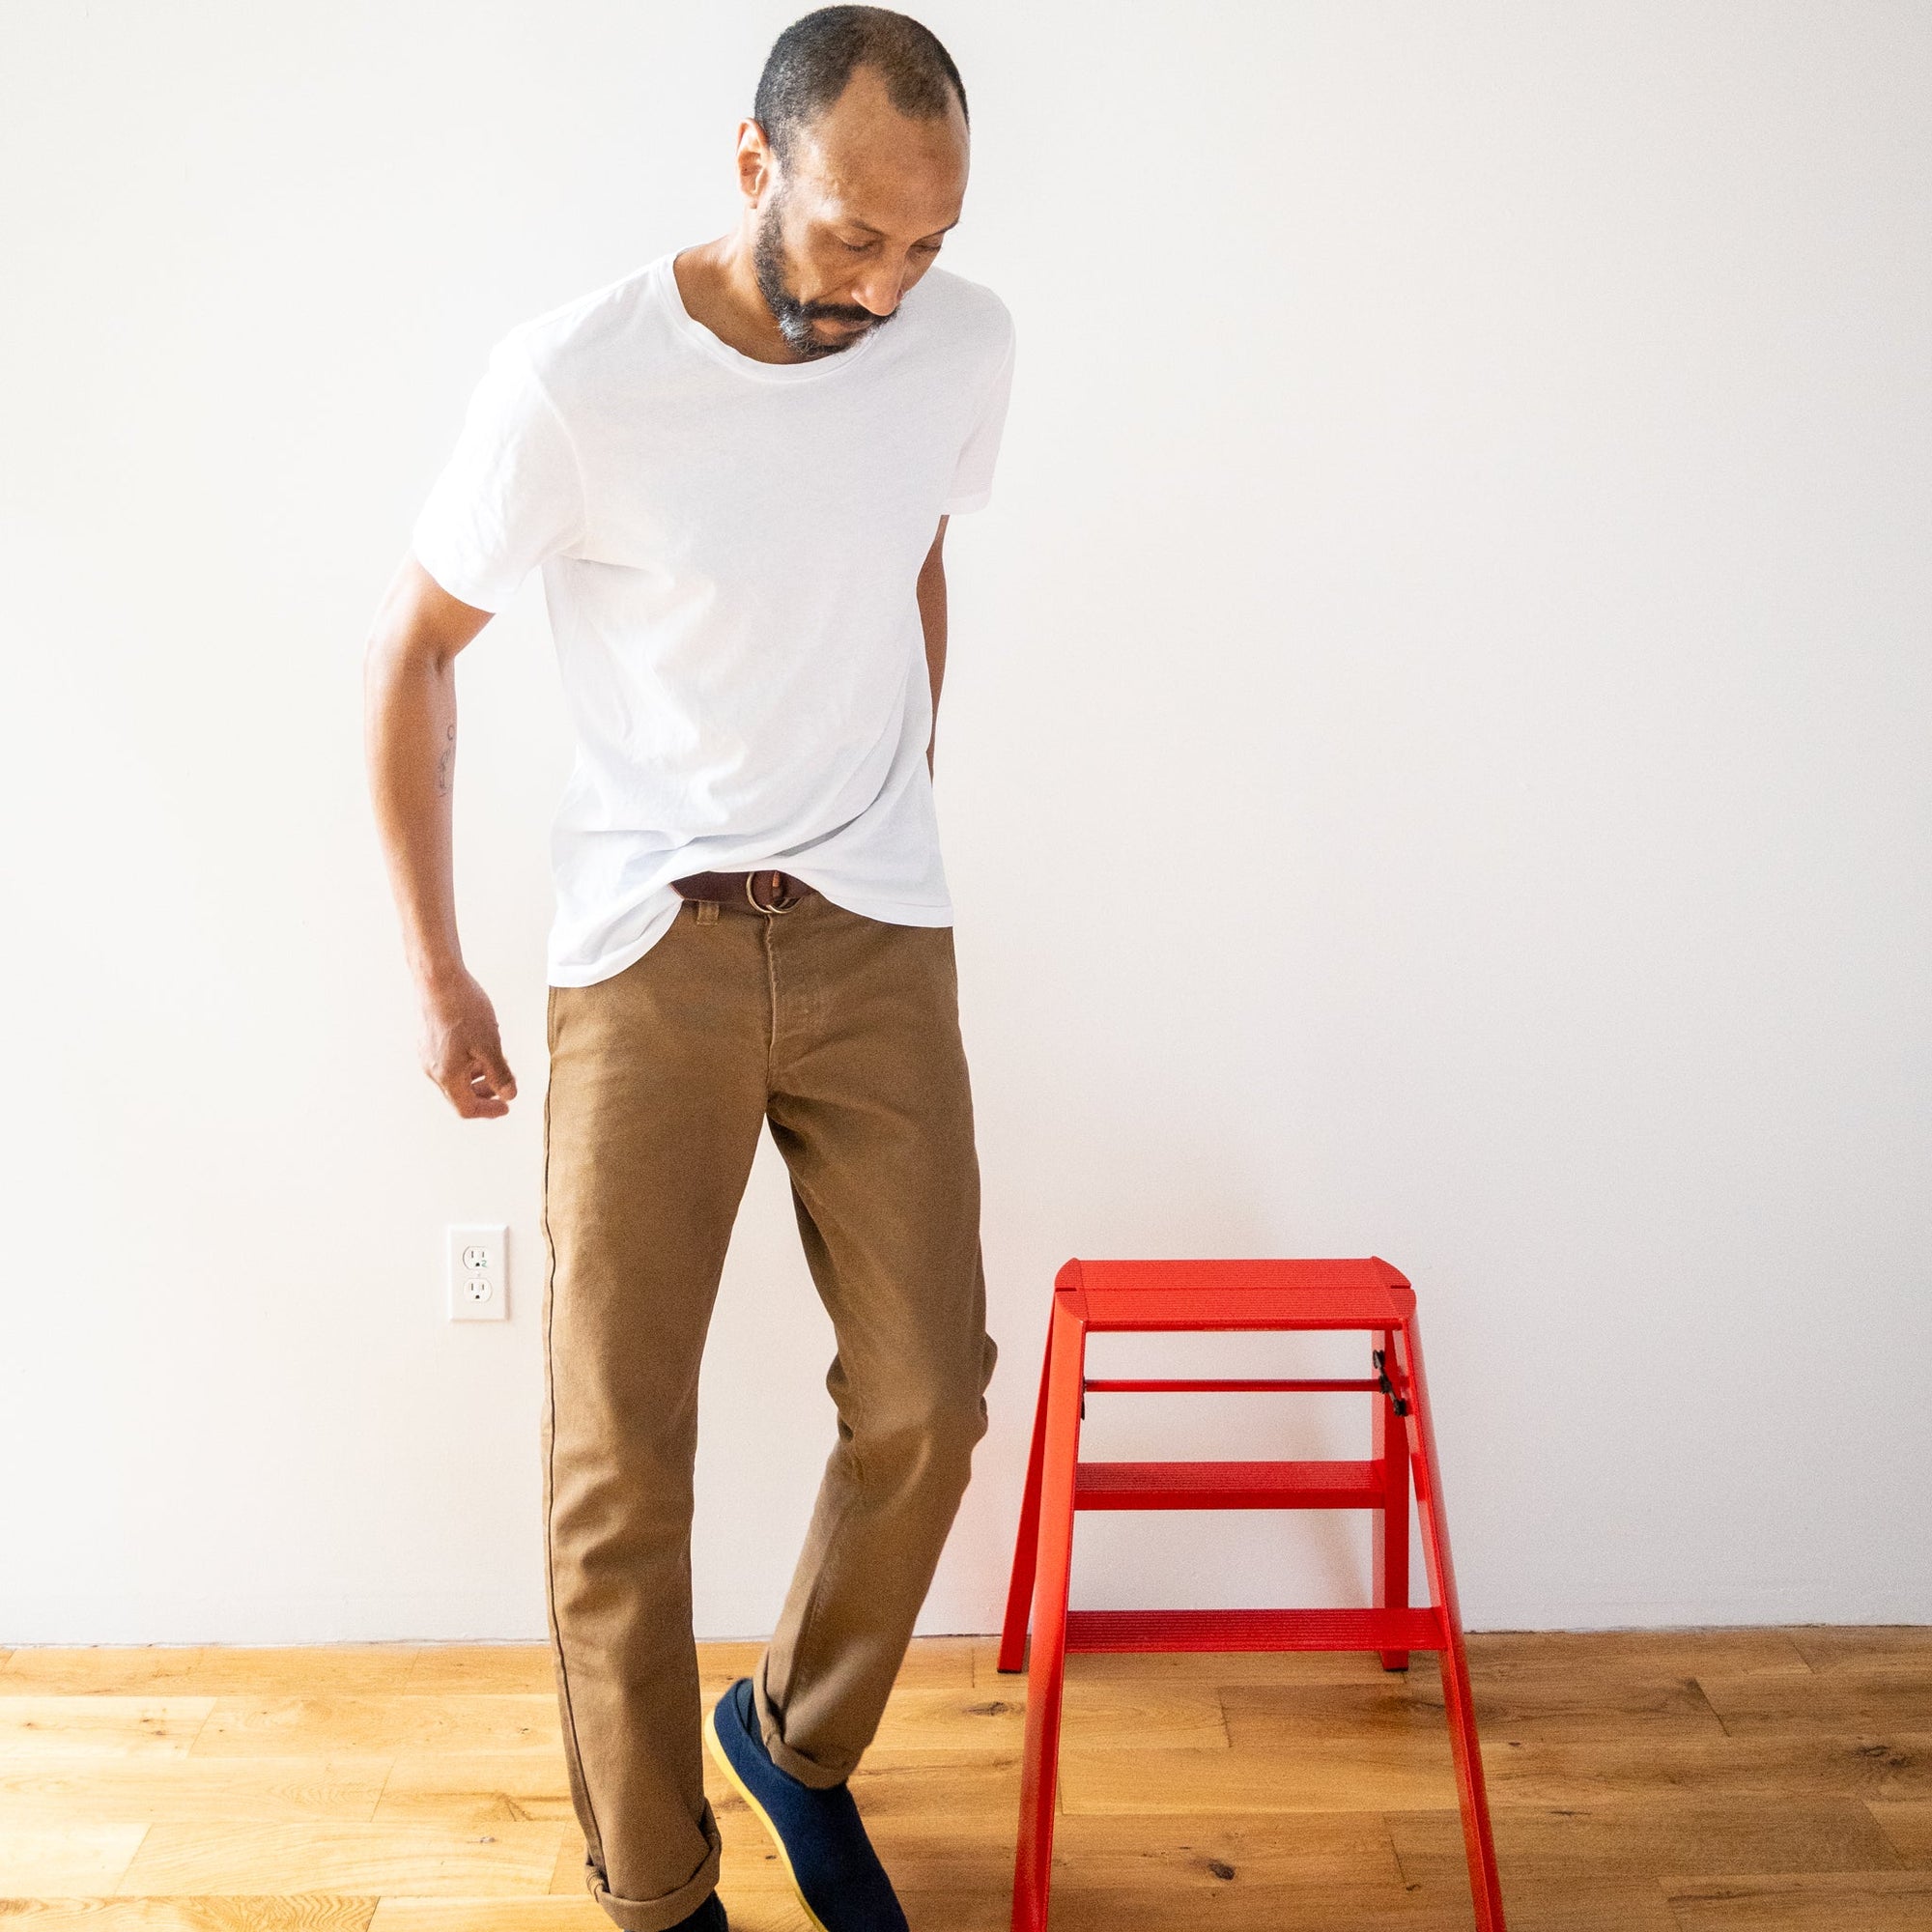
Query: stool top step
[[1348, 1292]]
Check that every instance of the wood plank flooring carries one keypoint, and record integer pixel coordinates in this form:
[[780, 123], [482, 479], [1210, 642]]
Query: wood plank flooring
[[1640, 1781]]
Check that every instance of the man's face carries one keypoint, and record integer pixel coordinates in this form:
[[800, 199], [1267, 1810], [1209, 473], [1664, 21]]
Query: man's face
[[798, 319], [859, 219]]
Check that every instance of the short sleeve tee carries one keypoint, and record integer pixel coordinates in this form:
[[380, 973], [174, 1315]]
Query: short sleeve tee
[[729, 552]]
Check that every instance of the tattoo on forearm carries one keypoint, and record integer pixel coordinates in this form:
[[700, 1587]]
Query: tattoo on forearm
[[444, 763]]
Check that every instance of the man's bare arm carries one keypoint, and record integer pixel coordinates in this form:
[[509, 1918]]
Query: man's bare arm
[[932, 617], [409, 686]]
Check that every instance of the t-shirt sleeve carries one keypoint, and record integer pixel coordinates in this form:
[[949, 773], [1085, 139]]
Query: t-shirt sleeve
[[973, 476], [510, 494]]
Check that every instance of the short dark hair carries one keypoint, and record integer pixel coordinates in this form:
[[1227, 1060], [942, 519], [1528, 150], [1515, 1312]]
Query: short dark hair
[[811, 61]]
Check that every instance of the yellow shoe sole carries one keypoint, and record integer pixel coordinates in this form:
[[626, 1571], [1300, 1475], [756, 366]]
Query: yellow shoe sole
[[714, 1746]]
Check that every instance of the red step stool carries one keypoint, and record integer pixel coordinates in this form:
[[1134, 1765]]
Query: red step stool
[[1171, 1296]]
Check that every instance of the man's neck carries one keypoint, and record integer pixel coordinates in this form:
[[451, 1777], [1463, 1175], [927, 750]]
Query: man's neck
[[718, 285]]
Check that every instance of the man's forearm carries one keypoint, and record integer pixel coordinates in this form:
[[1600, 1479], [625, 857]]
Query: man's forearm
[[410, 721], [409, 724], [931, 589]]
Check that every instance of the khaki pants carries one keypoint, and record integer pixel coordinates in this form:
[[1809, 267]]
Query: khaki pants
[[842, 1033]]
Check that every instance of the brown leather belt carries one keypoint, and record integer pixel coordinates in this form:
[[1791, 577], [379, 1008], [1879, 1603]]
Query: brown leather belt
[[781, 890]]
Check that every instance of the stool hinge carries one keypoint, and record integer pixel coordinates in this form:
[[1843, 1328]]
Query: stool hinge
[[1388, 1388]]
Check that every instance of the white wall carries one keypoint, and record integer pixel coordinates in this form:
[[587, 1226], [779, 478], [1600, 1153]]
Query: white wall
[[1433, 763]]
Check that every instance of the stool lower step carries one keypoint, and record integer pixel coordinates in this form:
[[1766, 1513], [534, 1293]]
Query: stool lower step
[[1195, 1485], [1409, 1629]]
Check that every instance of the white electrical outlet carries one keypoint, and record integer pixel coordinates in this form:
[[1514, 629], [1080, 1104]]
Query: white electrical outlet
[[478, 1274]]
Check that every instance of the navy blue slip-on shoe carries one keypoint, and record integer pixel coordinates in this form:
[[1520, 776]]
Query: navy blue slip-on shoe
[[708, 1918], [819, 1835]]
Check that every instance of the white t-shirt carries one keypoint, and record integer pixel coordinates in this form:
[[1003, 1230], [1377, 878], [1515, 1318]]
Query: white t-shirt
[[730, 551]]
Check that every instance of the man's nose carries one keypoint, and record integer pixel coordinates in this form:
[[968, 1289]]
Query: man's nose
[[880, 291]]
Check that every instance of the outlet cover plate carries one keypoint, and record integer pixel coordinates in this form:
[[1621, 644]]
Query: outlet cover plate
[[476, 1267]]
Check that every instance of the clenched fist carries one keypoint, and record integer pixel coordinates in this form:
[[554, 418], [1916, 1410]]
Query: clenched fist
[[460, 1051]]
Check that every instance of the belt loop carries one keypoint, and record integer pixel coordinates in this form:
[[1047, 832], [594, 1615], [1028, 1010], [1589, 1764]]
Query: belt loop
[[707, 911]]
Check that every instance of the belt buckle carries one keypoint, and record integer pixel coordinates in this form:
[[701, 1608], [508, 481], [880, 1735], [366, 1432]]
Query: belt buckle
[[783, 902]]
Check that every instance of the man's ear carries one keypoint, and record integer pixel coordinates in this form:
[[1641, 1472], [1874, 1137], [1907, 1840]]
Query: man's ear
[[756, 165]]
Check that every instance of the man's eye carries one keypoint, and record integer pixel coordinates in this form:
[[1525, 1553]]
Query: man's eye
[[860, 247]]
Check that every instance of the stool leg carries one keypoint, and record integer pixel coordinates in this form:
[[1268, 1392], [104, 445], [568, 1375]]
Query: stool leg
[[1391, 1552], [1026, 1545], [1033, 1863], [1459, 1702]]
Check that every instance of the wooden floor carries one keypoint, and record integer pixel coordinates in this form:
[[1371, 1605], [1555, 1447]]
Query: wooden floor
[[1663, 1781]]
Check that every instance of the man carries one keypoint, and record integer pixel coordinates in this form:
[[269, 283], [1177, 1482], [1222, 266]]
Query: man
[[734, 468]]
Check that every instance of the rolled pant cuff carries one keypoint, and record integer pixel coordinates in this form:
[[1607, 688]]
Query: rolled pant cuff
[[670, 1907], [782, 1754]]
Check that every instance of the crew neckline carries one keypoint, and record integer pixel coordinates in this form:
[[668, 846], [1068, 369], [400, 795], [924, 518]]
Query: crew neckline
[[811, 370]]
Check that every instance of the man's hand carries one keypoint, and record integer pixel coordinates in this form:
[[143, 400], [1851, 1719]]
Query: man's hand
[[461, 1050]]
